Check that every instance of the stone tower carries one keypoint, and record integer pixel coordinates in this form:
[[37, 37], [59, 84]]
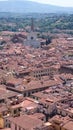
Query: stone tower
[[32, 37], [32, 25]]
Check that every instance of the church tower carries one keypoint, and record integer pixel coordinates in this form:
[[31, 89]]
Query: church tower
[[32, 25], [32, 37]]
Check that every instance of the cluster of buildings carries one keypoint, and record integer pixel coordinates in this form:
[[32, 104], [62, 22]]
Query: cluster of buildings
[[36, 85]]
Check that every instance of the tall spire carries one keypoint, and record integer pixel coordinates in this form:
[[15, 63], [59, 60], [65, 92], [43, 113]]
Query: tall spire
[[32, 25]]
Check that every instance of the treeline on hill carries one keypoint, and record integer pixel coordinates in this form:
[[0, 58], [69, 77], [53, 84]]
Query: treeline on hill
[[43, 23]]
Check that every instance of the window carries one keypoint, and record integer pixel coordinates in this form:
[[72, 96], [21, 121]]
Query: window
[[31, 38], [15, 111], [19, 128], [9, 125], [15, 127]]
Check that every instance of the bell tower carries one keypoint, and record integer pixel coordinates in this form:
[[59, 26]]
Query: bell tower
[[32, 25], [32, 37]]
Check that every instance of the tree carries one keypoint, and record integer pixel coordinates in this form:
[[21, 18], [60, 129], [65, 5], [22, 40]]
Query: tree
[[48, 41]]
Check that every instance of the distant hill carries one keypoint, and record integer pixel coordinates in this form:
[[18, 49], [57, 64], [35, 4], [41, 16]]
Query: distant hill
[[22, 6]]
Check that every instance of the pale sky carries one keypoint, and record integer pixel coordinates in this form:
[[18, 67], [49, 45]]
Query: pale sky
[[57, 2], [54, 2]]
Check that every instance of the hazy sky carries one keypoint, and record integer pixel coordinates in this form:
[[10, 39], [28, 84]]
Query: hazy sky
[[55, 2]]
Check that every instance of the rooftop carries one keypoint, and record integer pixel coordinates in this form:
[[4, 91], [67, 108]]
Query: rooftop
[[24, 119]]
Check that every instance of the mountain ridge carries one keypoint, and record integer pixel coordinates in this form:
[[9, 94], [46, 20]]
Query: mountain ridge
[[24, 6]]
